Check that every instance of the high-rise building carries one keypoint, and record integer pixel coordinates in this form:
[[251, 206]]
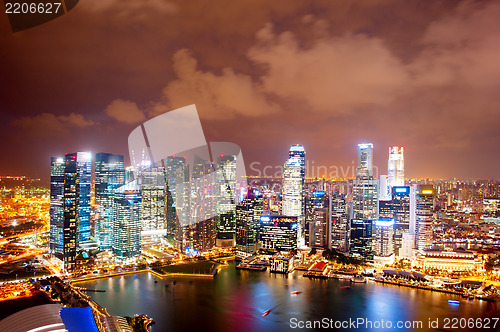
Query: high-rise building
[[70, 205], [319, 230], [203, 199], [396, 167], [385, 209], [226, 200], [109, 176], [177, 200], [84, 170], [384, 191], [152, 181], [248, 214], [315, 200], [401, 206], [340, 226], [298, 151], [365, 160], [360, 245], [203, 235], [200, 232], [70, 224], [57, 166], [364, 191], [126, 241], [424, 216], [383, 238], [407, 245], [293, 191], [278, 232]]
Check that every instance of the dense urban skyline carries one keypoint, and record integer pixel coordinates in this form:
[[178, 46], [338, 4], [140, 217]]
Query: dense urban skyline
[[327, 75]]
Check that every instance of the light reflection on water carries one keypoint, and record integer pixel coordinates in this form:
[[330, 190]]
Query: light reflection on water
[[235, 301]]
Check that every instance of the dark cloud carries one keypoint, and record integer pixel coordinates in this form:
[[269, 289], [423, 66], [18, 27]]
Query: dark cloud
[[265, 75]]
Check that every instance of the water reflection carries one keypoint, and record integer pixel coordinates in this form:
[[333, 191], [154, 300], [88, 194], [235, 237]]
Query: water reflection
[[235, 301]]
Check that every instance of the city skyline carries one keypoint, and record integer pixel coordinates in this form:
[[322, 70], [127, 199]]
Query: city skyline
[[327, 75], [249, 165]]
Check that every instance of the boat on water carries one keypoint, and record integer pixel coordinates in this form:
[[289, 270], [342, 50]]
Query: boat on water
[[358, 279], [453, 302], [266, 313], [295, 292], [345, 287], [252, 267]]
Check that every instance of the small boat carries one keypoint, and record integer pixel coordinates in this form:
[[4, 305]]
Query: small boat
[[295, 292], [453, 302], [266, 313], [345, 287]]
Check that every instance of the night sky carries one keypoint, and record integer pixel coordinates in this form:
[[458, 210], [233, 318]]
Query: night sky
[[263, 74]]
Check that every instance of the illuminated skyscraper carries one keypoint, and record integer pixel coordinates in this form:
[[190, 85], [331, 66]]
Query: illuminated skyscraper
[[316, 225], [293, 191], [70, 224], [200, 234], [360, 245], [383, 238], [384, 191], [57, 166], [278, 233], [178, 190], [248, 214], [70, 205], [298, 150], [109, 176], [127, 223], [84, 174], [365, 196], [340, 226], [401, 206], [226, 200], [365, 160], [424, 216], [396, 166], [152, 182]]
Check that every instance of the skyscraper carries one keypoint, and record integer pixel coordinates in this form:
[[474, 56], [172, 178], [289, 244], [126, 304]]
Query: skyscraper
[[152, 182], [340, 225], [396, 166], [298, 150], [248, 214], [70, 205], [384, 191], [383, 238], [226, 200], [109, 176], [401, 206], [293, 190], [70, 225], [365, 196], [200, 234], [424, 216], [57, 166], [278, 232], [84, 170], [177, 200], [316, 225], [126, 241], [360, 245], [365, 160]]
